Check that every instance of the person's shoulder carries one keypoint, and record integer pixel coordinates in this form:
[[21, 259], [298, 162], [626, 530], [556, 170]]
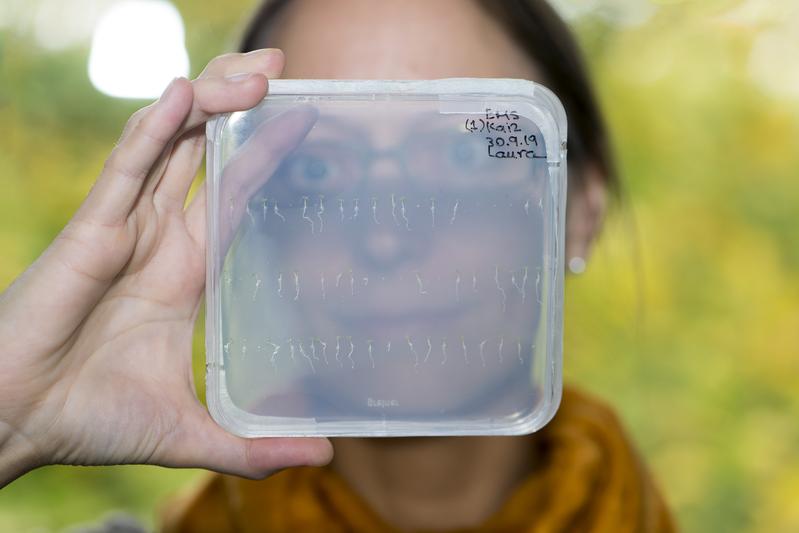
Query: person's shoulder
[[222, 503], [580, 405], [591, 454], [589, 427]]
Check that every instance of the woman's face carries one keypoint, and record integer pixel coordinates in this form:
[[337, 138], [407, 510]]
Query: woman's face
[[433, 305], [395, 39]]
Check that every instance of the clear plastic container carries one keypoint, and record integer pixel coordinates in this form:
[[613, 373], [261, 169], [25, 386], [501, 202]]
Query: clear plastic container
[[385, 258]]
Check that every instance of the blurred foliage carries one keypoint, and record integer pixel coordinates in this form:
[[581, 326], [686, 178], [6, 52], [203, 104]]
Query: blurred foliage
[[687, 320]]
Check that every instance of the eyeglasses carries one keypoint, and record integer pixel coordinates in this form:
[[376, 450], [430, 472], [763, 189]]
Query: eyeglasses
[[443, 161]]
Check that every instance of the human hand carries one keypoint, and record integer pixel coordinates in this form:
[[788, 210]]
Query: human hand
[[95, 337]]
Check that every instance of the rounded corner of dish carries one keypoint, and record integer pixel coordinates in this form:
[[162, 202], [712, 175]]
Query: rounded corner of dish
[[215, 126], [222, 416], [540, 417]]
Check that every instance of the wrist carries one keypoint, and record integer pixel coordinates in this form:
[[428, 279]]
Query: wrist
[[17, 455]]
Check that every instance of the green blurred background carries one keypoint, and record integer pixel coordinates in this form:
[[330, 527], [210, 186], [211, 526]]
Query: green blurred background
[[687, 319]]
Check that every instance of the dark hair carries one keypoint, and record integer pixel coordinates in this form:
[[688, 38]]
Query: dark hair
[[537, 28]]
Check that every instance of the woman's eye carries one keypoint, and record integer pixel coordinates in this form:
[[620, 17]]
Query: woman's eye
[[318, 168], [465, 154], [310, 168]]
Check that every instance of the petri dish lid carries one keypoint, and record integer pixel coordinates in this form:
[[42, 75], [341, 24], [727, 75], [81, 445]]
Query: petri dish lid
[[385, 258]]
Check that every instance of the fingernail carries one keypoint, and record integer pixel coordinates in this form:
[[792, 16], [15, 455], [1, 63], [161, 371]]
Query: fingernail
[[169, 89], [239, 78], [275, 63], [268, 51]]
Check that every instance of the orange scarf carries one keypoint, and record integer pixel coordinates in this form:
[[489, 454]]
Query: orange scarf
[[590, 480]]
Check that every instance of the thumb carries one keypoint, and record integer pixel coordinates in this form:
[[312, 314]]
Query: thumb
[[201, 443]]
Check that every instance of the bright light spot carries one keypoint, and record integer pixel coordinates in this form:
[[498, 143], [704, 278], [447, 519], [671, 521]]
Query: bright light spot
[[137, 49]]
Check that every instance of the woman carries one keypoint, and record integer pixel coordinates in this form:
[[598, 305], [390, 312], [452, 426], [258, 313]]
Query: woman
[[577, 474], [96, 334]]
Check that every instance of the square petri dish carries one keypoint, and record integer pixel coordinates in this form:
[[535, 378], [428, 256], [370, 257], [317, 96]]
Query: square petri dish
[[385, 258]]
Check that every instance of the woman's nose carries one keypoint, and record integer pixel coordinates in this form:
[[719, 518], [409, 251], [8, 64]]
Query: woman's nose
[[384, 171], [388, 238]]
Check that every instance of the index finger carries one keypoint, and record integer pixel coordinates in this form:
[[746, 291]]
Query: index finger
[[267, 61]]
